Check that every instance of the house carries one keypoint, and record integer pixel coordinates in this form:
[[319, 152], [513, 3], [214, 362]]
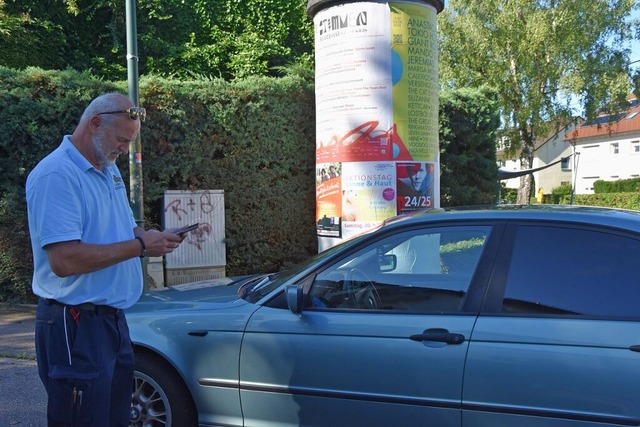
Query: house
[[551, 163], [607, 148]]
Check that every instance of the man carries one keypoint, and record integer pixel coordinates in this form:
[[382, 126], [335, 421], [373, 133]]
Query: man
[[333, 172], [86, 250]]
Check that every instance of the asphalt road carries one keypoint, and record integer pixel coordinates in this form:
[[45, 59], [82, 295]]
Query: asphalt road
[[23, 399]]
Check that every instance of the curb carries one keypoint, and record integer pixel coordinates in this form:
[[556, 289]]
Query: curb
[[7, 306]]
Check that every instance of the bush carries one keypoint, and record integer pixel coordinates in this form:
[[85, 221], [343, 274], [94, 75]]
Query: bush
[[508, 195], [621, 186], [562, 190], [254, 139], [629, 201]]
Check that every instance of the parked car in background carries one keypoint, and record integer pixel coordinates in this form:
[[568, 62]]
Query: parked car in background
[[511, 316]]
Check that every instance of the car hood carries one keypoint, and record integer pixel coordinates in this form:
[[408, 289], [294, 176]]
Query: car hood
[[210, 294]]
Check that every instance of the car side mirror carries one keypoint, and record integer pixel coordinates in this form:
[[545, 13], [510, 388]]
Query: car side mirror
[[387, 262], [295, 298]]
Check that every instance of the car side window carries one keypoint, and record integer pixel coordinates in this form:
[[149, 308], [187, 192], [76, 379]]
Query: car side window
[[423, 270], [573, 271]]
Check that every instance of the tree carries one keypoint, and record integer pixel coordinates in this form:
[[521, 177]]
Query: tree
[[221, 38], [539, 55], [468, 121], [25, 40]]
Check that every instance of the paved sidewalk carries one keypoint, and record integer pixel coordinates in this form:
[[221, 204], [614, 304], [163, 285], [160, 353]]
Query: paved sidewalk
[[23, 399], [17, 323]]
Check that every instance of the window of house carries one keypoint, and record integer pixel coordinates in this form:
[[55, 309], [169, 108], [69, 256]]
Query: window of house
[[615, 148], [635, 147], [566, 164]]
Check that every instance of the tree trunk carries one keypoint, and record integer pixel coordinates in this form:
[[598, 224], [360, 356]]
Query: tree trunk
[[524, 191], [526, 162]]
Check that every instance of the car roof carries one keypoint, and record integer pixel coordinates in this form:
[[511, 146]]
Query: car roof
[[608, 217]]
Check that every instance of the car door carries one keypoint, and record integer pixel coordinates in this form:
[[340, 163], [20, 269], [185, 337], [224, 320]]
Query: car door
[[382, 338], [557, 343]]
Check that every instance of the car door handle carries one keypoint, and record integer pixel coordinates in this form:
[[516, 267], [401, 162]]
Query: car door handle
[[197, 333], [439, 335]]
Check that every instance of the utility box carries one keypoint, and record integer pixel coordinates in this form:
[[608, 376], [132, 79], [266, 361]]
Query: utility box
[[155, 272], [202, 254]]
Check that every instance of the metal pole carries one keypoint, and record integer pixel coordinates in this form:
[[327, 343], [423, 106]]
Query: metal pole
[[135, 147], [575, 173]]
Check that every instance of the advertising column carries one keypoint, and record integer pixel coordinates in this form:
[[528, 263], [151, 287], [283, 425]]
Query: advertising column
[[376, 113]]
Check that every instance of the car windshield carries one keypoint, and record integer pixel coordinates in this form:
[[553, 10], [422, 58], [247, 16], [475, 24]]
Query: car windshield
[[256, 290]]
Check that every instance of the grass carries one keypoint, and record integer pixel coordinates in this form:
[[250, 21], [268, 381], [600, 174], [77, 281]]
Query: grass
[[20, 356]]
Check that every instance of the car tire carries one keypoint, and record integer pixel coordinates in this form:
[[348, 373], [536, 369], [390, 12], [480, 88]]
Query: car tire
[[160, 397]]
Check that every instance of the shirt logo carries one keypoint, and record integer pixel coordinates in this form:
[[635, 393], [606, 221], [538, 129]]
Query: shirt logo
[[117, 183]]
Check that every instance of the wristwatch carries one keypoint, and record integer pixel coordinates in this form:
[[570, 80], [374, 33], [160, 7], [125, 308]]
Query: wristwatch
[[143, 253]]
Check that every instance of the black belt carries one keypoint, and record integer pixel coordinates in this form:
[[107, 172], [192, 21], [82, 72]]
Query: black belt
[[88, 306]]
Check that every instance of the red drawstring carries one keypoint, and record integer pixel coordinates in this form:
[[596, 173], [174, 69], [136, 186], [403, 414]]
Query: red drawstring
[[76, 315]]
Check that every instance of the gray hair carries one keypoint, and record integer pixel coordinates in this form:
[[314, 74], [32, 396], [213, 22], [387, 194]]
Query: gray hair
[[108, 102]]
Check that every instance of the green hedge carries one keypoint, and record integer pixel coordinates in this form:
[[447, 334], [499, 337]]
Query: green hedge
[[620, 186], [253, 139], [613, 200], [622, 194]]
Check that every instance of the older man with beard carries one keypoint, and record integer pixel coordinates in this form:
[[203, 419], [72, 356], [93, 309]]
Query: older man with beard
[[86, 251]]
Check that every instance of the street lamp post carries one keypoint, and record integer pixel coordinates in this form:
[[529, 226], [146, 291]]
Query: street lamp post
[[576, 159], [135, 147]]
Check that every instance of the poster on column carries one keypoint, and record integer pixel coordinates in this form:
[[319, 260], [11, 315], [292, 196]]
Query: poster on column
[[414, 57], [415, 186], [353, 83], [328, 199], [376, 112], [368, 195]]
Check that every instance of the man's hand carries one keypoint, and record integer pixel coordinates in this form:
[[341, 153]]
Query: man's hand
[[160, 243]]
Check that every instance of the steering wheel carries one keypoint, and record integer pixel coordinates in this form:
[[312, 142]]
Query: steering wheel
[[361, 291]]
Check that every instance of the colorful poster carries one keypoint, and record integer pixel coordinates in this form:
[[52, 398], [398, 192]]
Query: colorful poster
[[414, 57], [415, 186], [353, 83], [328, 199], [368, 195]]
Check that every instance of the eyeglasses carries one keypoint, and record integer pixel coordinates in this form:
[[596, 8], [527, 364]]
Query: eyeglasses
[[134, 113]]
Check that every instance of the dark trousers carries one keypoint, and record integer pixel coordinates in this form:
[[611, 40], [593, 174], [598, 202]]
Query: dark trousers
[[85, 361]]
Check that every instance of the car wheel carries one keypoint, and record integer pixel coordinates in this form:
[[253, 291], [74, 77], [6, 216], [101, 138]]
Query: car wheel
[[159, 397]]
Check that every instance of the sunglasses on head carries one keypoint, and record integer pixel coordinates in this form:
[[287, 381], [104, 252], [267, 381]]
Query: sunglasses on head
[[133, 112]]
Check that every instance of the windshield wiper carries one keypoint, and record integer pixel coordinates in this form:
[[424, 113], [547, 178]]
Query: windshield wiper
[[254, 285]]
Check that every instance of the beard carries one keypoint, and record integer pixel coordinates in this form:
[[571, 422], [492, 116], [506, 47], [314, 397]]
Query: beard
[[104, 159]]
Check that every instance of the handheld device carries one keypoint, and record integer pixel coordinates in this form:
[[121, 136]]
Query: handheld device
[[187, 228]]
